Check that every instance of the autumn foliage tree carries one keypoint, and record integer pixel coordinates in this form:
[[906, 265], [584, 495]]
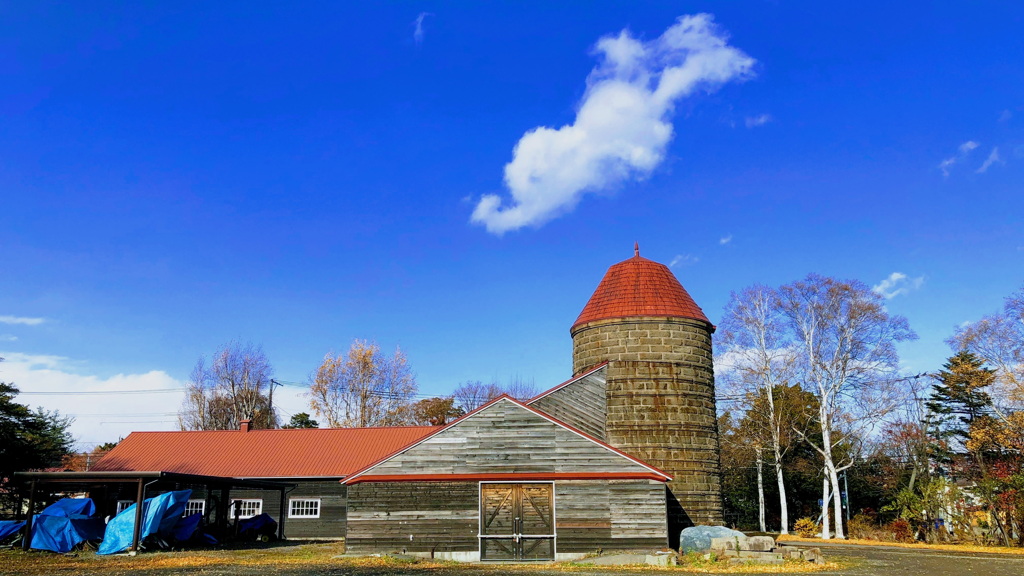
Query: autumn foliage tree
[[435, 411], [363, 387]]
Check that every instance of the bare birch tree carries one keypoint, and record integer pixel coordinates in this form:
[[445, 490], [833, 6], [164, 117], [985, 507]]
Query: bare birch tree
[[757, 356], [234, 386], [363, 387], [847, 355]]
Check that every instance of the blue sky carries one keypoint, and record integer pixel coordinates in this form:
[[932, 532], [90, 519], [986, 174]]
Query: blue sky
[[174, 176]]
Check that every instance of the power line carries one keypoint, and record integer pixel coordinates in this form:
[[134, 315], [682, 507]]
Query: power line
[[102, 392]]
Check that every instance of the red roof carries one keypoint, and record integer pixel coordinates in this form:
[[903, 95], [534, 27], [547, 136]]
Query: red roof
[[639, 287], [298, 453]]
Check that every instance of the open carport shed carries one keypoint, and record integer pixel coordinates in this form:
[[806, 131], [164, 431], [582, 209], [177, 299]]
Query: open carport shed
[[96, 481]]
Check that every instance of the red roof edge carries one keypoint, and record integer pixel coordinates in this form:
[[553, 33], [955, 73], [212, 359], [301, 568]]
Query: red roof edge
[[558, 387], [503, 476], [351, 479]]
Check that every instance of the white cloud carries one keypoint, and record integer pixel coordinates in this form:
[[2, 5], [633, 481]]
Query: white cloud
[[755, 121], [98, 417], [622, 125], [725, 240], [8, 338], [1005, 116], [993, 158], [962, 151], [417, 33], [21, 320], [683, 260], [896, 284]]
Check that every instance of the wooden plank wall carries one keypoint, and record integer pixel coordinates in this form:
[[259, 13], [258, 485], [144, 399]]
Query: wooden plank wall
[[333, 506], [418, 517], [610, 515], [582, 404], [506, 438], [413, 517]]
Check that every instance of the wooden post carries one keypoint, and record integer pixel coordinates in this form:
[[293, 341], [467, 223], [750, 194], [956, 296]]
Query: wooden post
[[139, 497], [27, 538], [281, 516]]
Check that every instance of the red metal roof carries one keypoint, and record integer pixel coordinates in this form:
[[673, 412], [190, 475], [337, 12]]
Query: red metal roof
[[639, 287], [298, 453]]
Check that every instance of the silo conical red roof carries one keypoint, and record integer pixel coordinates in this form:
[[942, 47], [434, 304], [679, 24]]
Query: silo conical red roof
[[639, 287]]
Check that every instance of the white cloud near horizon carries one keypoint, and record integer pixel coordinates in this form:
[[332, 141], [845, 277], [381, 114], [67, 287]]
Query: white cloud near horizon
[[418, 33], [23, 320], [755, 121], [897, 284], [623, 123], [962, 152], [993, 158], [97, 417]]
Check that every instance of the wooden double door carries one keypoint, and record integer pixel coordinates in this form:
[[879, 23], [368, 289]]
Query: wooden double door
[[517, 522]]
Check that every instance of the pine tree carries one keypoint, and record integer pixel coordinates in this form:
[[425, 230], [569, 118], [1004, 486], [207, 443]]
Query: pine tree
[[958, 399]]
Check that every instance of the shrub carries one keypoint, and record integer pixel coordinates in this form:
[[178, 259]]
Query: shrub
[[901, 530], [806, 528], [866, 526]]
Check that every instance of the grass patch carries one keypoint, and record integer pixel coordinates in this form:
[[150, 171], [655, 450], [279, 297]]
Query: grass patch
[[323, 557]]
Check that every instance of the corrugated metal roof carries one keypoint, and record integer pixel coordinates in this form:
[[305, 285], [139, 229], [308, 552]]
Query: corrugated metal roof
[[293, 453], [639, 287]]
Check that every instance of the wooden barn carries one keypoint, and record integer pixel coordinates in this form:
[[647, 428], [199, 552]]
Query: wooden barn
[[620, 457]]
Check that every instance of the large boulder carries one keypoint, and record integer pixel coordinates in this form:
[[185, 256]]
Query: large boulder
[[698, 538]]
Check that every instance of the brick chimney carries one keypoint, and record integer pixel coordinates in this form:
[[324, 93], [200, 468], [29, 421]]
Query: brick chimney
[[245, 425]]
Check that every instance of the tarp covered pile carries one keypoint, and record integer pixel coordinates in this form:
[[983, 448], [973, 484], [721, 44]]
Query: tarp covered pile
[[160, 515], [65, 524]]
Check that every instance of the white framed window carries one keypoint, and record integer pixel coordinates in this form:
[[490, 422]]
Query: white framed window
[[195, 506], [123, 505], [247, 507], [304, 508]]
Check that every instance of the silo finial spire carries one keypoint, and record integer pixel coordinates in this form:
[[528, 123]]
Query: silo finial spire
[[636, 249]]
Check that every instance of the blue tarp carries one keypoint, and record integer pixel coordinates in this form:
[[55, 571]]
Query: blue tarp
[[186, 527], [62, 533], [69, 507], [9, 527], [257, 525], [65, 524], [159, 515]]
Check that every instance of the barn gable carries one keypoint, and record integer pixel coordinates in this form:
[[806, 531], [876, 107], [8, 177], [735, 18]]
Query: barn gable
[[506, 439], [580, 402]]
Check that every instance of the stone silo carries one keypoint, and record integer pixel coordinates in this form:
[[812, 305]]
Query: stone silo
[[660, 382]]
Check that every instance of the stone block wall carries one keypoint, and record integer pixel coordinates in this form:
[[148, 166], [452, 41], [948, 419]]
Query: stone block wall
[[661, 405]]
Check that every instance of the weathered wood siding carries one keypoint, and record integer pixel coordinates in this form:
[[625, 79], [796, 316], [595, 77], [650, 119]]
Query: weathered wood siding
[[414, 517], [582, 404], [506, 438], [333, 508], [609, 515], [443, 517], [333, 498]]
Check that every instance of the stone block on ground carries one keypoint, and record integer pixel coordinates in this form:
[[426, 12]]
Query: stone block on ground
[[661, 560], [729, 543], [698, 538], [760, 543]]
